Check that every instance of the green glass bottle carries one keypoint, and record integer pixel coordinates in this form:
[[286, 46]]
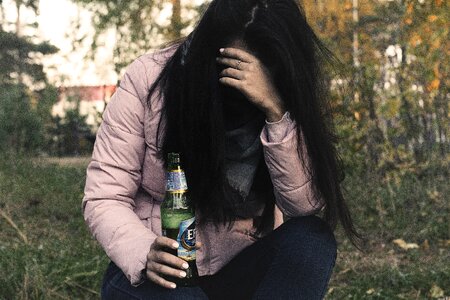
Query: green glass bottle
[[178, 219]]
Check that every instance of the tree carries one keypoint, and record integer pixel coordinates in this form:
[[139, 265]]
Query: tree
[[399, 71], [136, 24], [70, 134], [20, 126], [23, 86], [17, 54]]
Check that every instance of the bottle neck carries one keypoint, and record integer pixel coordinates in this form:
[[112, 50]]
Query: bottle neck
[[174, 168]]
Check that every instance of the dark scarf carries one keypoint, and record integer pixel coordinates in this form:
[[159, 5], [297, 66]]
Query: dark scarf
[[248, 183]]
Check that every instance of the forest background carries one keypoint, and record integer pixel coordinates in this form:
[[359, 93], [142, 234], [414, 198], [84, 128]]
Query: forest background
[[392, 121]]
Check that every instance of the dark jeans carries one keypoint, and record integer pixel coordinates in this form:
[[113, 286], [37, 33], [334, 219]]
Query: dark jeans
[[295, 261]]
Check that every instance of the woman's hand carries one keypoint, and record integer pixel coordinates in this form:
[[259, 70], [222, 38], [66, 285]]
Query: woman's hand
[[253, 79], [161, 262]]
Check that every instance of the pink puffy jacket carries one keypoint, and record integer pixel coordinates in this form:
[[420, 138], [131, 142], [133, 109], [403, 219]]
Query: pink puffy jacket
[[125, 181]]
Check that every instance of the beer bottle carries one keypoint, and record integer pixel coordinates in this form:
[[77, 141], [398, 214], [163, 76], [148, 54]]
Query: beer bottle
[[178, 219]]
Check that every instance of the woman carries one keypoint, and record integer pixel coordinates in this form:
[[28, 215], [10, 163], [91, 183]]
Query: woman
[[250, 123]]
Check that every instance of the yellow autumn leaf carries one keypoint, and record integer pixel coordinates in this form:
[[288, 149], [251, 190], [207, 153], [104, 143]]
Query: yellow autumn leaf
[[409, 9], [432, 18], [436, 44], [436, 70], [415, 40], [404, 245], [436, 292], [433, 85]]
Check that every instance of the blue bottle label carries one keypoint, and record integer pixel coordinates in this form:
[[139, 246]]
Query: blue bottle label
[[186, 239]]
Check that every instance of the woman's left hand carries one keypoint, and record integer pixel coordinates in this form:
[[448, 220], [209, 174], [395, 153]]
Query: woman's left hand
[[252, 78]]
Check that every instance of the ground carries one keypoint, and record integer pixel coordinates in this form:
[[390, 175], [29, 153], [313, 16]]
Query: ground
[[46, 251]]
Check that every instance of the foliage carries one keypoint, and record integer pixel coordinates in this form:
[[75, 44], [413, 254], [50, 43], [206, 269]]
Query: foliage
[[20, 126], [17, 58], [393, 111], [391, 105], [26, 97], [71, 135], [26, 123], [135, 23]]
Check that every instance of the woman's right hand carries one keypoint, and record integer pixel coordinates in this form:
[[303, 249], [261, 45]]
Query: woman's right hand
[[161, 262]]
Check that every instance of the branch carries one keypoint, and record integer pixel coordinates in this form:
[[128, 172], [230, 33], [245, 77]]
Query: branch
[[11, 222]]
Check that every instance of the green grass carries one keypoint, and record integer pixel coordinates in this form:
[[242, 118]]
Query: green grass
[[409, 205], [60, 260], [51, 254]]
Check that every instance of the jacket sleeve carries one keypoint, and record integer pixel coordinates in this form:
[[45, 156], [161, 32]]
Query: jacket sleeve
[[114, 176], [292, 186]]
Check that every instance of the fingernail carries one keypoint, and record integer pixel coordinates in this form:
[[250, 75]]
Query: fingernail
[[185, 265], [175, 245], [173, 285], [221, 50], [183, 274]]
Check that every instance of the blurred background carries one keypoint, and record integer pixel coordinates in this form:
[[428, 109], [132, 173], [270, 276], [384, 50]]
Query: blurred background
[[60, 61]]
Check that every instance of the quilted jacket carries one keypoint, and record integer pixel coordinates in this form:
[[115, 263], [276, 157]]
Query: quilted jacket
[[125, 181]]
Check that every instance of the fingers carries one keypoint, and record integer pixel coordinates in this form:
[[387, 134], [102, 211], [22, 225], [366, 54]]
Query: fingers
[[160, 262], [160, 281], [162, 242], [238, 54], [232, 63], [232, 82], [166, 270], [166, 258], [234, 73]]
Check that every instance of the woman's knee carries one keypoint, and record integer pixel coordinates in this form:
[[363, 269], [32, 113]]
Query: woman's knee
[[305, 254], [310, 231]]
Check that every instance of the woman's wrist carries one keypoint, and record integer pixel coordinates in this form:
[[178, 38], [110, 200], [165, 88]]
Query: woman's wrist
[[275, 114]]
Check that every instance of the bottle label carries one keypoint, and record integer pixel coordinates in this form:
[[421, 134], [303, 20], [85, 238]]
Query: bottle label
[[176, 181], [186, 239]]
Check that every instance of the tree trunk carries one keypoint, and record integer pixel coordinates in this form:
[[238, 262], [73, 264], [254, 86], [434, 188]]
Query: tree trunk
[[356, 63], [2, 16], [18, 5], [411, 129], [375, 135], [441, 118], [176, 23]]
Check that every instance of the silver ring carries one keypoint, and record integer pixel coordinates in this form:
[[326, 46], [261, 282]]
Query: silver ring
[[239, 62]]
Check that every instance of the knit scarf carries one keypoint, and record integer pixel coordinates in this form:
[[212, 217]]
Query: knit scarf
[[244, 161]]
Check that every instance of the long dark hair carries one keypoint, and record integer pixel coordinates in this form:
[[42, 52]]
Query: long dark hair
[[278, 33]]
